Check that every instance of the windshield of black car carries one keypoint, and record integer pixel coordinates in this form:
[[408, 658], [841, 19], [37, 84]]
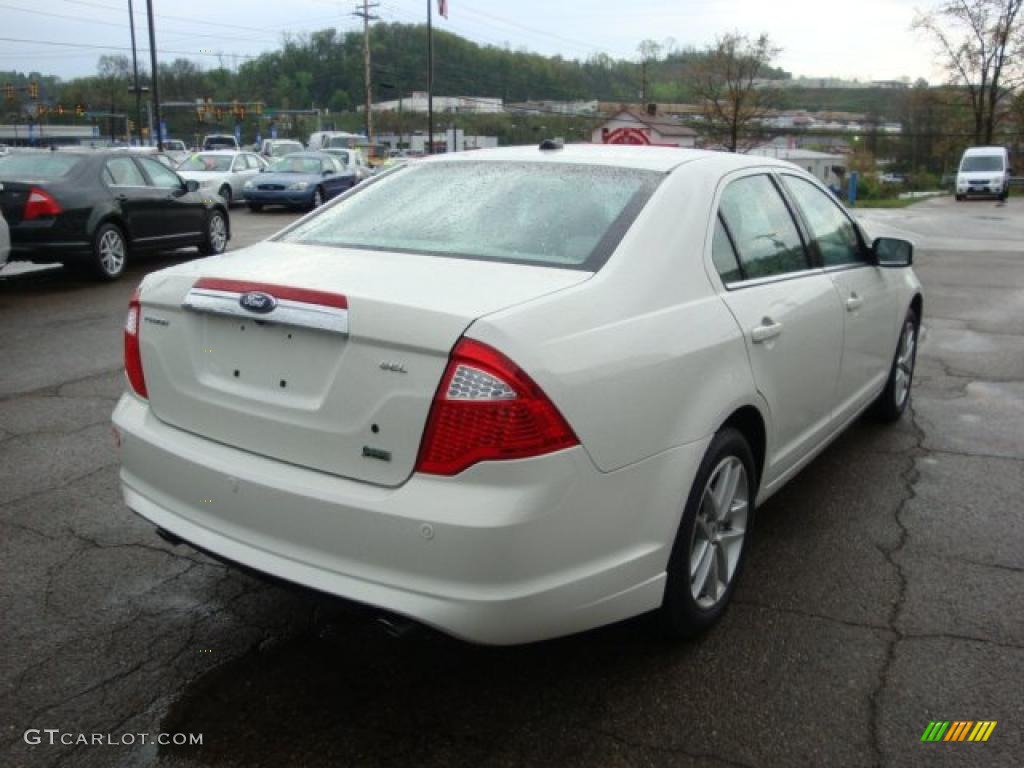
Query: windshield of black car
[[212, 163], [37, 165], [973, 163], [293, 164], [551, 214]]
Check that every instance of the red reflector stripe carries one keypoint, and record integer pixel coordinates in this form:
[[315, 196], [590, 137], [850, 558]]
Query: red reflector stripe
[[287, 293]]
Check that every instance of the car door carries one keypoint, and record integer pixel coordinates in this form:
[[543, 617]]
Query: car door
[[868, 297], [788, 311], [181, 214], [336, 181], [134, 196]]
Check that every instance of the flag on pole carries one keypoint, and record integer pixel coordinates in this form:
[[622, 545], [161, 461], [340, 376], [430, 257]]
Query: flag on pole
[[442, 7]]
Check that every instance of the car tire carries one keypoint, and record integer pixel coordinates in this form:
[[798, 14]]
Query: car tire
[[225, 192], [896, 396], [215, 237], [318, 199], [109, 252], [711, 545], [255, 207], [959, 198]]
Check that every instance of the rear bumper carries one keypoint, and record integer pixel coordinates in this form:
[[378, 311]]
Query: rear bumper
[[47, 241], [505, 553]]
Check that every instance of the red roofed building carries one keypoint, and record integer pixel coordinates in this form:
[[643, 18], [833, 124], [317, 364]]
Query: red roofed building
[[639, 128]]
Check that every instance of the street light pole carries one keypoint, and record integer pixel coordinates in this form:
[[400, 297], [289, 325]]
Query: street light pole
[[156, 87], [135, 69]]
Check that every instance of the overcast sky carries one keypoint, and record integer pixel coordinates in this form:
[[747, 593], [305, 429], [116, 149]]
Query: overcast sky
[[869, 39]]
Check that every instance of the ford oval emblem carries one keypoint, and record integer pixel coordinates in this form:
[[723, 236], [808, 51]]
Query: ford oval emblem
[[257, 301]]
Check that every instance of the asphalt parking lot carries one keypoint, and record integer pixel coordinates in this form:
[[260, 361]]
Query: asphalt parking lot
[[884, 590]]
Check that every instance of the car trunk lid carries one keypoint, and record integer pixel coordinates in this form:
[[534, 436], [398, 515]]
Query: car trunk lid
[[340, 374]]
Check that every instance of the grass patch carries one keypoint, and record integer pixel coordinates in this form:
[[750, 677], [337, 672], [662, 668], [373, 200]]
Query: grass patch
[[890, 202]]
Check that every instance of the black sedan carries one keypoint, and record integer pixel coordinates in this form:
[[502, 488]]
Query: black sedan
[[98, 208]]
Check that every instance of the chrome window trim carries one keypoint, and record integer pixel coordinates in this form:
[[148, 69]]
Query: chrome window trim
[[754, 282]]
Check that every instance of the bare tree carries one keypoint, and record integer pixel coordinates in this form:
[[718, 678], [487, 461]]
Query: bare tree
[[725, 80], [982, 42]]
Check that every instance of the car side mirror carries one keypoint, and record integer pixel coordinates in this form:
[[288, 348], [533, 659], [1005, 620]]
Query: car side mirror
[[892, 252], [191, 185], [328, 172]]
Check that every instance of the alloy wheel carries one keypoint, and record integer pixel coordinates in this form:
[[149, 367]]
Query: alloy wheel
[[112, 252], [218, 233], [718, 533], [905, 363]]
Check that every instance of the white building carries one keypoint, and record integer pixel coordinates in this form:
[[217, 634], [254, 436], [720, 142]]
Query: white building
[[830, 169], [634, 127], [464, 105]]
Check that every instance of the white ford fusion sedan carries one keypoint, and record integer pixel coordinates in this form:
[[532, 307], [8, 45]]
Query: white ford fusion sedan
[[514, 394]]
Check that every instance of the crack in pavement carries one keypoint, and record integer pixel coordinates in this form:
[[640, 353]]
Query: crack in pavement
[[56, 390], [910, 478], [60, 486], [811, 615]]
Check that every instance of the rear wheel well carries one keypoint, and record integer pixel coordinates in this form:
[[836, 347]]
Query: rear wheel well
[[749, 422], [118, 222]]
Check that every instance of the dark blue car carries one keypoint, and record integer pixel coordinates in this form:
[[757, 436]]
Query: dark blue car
[[298, 180]]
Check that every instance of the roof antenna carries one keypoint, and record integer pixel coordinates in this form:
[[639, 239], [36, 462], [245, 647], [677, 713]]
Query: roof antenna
[[549, 144]]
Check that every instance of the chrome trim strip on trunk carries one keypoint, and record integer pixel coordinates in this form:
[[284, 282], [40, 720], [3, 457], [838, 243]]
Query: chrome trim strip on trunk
[[294, 313]]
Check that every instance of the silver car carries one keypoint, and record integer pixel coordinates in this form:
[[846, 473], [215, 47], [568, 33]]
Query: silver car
[[222, 172]]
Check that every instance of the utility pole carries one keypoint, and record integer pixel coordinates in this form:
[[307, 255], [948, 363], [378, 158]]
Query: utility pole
[[156, 87], [430, 77], [364, 14], [643, 83], [135, 69]]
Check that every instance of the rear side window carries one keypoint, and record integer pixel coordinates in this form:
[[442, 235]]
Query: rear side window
[[122, 172], [766, 238], [724, 255], [37, 165], [550, 214], [160, 176]]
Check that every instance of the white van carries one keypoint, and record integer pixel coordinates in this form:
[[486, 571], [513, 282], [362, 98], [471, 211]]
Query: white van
[[984, 171]]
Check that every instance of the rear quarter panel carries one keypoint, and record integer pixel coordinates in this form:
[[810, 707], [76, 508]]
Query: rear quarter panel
[[644, 356]]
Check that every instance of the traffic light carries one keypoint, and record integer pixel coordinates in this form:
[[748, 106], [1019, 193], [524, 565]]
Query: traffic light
[[79, 110], [33, 90], [9, 91], [259, 107], [241, 112], [131, 125], [60, 110], [41, 110]]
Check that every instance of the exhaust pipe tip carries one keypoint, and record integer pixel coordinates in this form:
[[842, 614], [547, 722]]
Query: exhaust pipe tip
[[395, 626], [169, 537]]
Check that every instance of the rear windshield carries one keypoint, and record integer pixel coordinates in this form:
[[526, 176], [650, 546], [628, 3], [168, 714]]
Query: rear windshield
[[982, 163], [207, 163], [285, 148], [37, 165], [295, 164], [343, 142], [222, 142], [558, 215]]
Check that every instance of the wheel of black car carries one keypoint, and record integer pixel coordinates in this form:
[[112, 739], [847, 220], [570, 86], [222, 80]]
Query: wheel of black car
[[225, 192], [255, 207], [711, 544], [318, 197], [110, 252], [215, 239], [894, 398]]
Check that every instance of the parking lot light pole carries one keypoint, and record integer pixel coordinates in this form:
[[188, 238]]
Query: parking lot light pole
[[156, 87]]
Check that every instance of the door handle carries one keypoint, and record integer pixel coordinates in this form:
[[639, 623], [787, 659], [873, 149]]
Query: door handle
[[122, 198], [854, 302], [768, 329]]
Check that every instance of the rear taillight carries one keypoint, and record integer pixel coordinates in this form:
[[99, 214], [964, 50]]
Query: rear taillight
[[488, 409], [39, 204], [132, 355]]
